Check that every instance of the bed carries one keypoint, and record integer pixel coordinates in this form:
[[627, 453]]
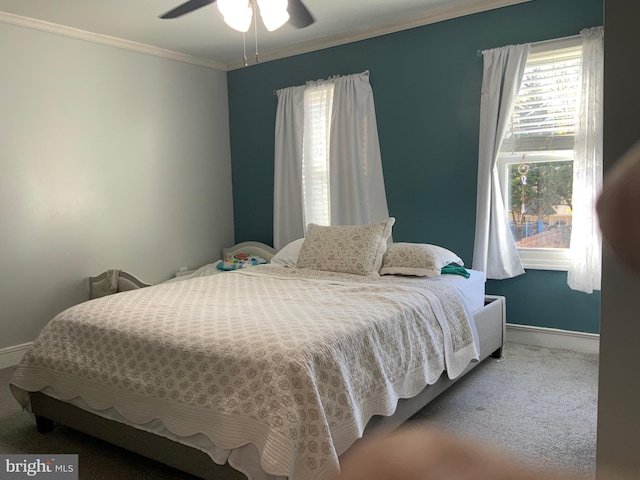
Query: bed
[[269, 370]]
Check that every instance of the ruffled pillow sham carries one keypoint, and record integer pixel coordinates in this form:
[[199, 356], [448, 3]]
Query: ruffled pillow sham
[[417, 259], [355, 249]]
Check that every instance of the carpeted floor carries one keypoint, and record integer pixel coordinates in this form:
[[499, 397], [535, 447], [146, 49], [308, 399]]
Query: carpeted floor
[[538, 404]]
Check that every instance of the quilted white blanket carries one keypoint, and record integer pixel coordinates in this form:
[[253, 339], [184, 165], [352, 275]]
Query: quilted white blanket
[[295, 362]]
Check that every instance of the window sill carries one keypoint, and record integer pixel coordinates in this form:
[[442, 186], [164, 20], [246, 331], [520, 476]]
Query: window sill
[[545, 258]]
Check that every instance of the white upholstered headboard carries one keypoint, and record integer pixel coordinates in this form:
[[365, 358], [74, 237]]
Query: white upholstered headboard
[[251, 248]]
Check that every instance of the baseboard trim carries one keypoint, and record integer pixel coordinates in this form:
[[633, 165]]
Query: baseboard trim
[[554, 338], [11, 356]]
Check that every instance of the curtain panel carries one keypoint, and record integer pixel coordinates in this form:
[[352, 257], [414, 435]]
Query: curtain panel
[[586, 241], [288, 222], [357, 185], [356, 191], [494, 250]]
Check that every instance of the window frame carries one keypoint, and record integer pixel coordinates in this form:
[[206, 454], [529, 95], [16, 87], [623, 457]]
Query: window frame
[[557, 259]]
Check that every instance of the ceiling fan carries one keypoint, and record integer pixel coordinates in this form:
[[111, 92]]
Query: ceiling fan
[[293, 11]]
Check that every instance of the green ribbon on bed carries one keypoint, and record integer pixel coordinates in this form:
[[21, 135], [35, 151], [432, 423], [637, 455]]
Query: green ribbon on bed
[[455, 269]]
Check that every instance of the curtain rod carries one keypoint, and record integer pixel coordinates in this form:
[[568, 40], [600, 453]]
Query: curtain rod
[[328, 79]]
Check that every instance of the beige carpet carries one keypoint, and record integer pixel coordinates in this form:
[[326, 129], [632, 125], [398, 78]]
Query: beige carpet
[[539, 404]]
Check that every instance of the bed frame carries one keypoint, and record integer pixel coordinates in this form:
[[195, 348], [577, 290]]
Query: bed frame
[[251, 248], [490, 324], [99, 286]]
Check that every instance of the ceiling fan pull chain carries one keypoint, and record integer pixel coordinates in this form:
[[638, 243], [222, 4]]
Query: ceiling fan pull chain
[[244, 50], [255, 29]]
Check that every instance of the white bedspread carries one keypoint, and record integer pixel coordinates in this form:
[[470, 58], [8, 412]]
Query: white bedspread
[[293, 361]]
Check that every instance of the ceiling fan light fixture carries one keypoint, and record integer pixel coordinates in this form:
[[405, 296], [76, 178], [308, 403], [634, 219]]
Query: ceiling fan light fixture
[[274, 13], [237, 14]]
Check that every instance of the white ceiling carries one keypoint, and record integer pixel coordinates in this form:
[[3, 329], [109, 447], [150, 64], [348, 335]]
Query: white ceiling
[[204, 35]]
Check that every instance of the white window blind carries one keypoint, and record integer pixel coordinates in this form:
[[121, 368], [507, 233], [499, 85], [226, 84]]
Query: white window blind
[[544, 117], [318, 101]]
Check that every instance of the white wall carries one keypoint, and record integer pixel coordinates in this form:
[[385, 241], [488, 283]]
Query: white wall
[[108, 159], [619, 387]]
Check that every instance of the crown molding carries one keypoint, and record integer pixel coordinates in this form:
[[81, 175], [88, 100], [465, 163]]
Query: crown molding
[[265, 56], [100, 39], [436, 16]]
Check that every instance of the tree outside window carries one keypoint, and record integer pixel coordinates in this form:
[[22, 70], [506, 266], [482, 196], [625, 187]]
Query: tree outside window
[[540, 203]]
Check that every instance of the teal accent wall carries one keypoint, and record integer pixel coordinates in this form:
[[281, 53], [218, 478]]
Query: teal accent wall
[[426, 83]]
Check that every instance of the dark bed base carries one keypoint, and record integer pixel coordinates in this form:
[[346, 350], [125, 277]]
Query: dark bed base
[[490, 323], [163, 450]]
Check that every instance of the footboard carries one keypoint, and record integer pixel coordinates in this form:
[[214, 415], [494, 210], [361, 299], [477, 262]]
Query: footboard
[[491, 326]]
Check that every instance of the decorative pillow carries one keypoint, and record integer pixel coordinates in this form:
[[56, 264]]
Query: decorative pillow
[[240, 260], [356, 249], [288, 255], [419, 259]]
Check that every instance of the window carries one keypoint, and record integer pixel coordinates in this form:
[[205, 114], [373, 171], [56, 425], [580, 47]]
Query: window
[[536, 157], [327, 164], [318, 101]]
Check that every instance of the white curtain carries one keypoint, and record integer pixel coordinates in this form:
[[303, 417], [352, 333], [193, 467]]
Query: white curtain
[[356, 187], [586, 243], [288, 224], [494, 250]]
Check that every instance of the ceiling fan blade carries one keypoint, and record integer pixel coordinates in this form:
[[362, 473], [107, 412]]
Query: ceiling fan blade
[[186, 7], [300, 16]]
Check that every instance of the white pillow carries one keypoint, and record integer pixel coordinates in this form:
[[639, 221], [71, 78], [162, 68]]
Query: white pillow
[[288, 255], [418, 259], [355, 249]]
